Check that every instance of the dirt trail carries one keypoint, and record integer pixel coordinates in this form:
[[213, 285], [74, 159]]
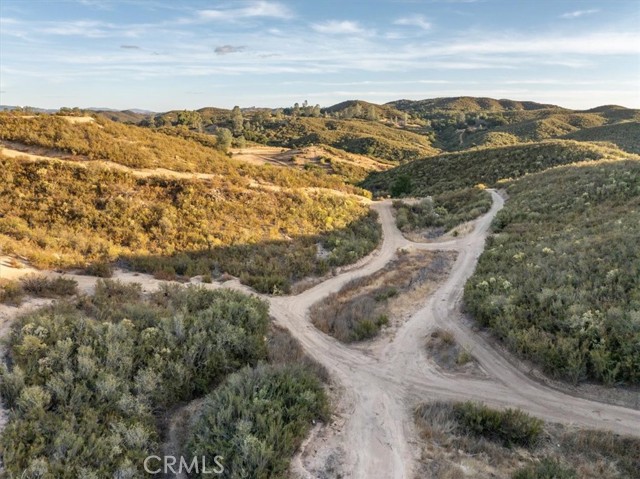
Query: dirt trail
[[380, 391], [28, 153], [373, 435]]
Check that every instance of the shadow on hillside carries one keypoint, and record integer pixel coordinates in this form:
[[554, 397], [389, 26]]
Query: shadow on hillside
[[271, 266]]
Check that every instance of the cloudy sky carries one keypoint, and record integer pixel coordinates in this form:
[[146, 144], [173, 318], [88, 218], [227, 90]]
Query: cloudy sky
[[161, 55]]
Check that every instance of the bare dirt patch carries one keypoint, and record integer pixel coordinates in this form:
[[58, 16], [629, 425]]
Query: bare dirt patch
[[320, 157]]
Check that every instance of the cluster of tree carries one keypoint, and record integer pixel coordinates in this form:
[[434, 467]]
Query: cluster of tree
[[442, 212], [64, 215], [453, 171], [560, 281], [87, 382]]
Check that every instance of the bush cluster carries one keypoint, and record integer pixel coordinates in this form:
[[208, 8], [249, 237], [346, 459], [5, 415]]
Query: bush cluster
[[444, 211], [257, 419], [87, 382], [511, 427]]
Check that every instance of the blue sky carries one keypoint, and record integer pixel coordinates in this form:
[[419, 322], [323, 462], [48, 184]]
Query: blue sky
[[162, 55]]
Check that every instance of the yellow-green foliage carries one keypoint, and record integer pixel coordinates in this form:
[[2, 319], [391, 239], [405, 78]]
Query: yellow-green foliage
[[560, 281], [493, 139], [172, 148], [453, 171], [61, 214], [369, 138]]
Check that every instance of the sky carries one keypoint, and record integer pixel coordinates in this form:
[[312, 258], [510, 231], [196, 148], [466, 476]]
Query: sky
[[161, 55]]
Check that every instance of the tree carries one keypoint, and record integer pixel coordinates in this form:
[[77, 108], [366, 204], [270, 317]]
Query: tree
[[237, 120], [372, 114], [191, 119], [224, 138]]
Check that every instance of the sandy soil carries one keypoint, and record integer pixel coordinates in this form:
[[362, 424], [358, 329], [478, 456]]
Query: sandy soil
[[372, 434]]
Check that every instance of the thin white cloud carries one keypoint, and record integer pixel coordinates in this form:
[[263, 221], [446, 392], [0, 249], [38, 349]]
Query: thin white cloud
[[338, 27], [254, 9], [414, 21], [579, 13]]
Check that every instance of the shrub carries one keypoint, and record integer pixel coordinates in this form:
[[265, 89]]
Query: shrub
[[511, 426], [559, 280], [12, 293], [257, 419], [446, 210], [100, 269], [88, 383], [44, 287]]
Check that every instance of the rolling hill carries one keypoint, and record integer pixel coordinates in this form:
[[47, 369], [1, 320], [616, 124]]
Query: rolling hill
[[132, 195], [452, 171]]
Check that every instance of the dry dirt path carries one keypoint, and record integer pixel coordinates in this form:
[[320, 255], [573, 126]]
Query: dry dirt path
[[373, 435]]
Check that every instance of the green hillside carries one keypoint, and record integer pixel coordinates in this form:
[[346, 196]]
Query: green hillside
[[453, 171], [625, 135], [465, 104], [559, 280]]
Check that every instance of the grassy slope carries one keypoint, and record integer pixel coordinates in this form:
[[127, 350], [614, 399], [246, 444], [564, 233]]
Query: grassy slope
[[559, 282], [59, 214], [170, 148], [453, 171]]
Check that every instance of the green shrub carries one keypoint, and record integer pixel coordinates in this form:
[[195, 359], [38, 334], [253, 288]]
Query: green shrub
[[257, 419], [559, 281], [445, 211], [44, 287], [88, 383], [512, 427], [100, 269]]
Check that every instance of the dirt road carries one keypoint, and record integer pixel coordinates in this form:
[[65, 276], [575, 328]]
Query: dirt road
[[373, 436]]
